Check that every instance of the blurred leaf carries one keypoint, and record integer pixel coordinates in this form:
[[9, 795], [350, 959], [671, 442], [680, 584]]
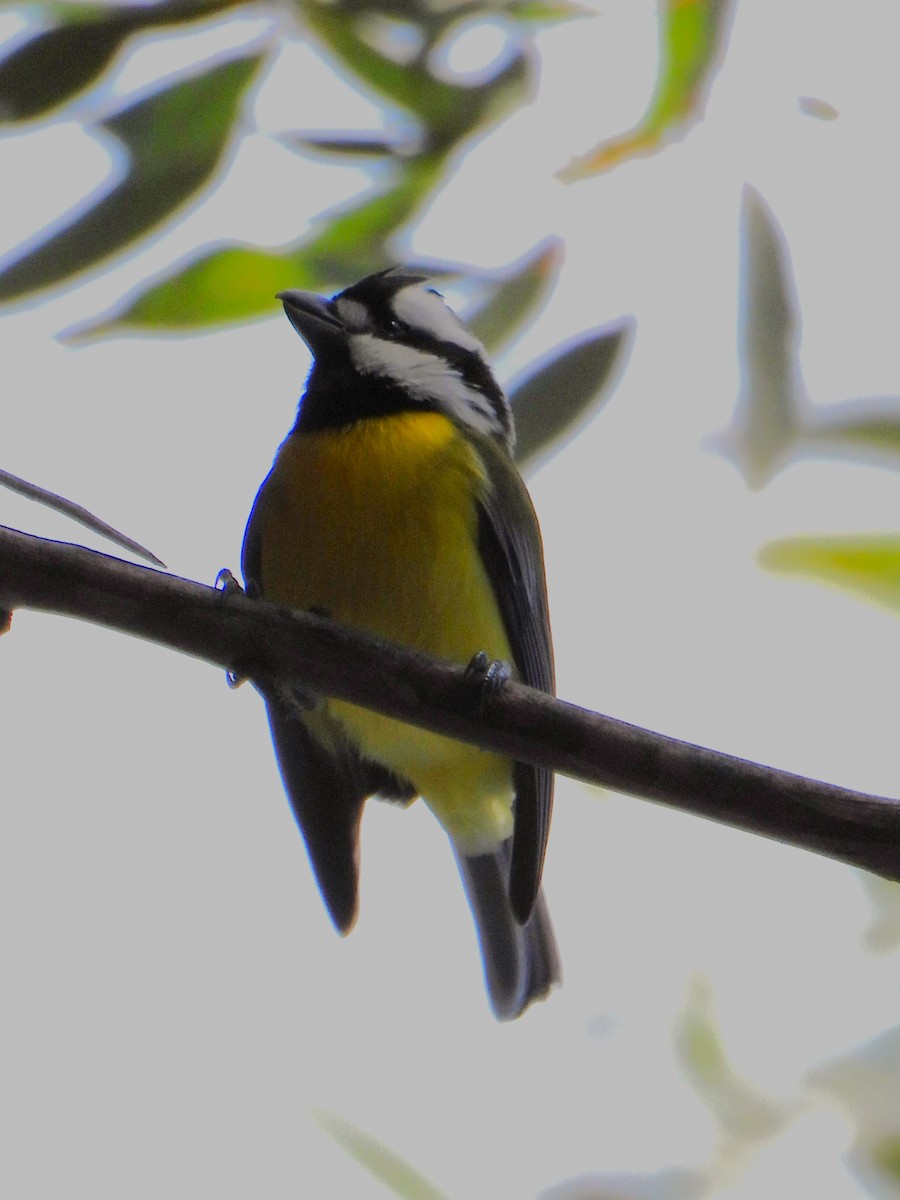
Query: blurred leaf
[[239, 283], [233, 284], [699, 1048], [384, 1164], [693, 34], [672, 1183], [155, 12], [868, 427], [547, 11], [772, 393], [53, 66], [813, 106], [692, 38], [886, 1156], [883, 934], [741, 1111], [357, 147], [175, 140], [352, 242], [447, 110], [868, 566], [516, 297], [59, 62], [560, 394], [867, 1081], [774, 418]]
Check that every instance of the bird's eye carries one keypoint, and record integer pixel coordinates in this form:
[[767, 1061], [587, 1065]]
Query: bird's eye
[[394, 328]]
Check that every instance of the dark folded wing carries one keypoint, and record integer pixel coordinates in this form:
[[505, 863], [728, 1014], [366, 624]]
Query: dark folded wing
[[509, 541], [327, 792]]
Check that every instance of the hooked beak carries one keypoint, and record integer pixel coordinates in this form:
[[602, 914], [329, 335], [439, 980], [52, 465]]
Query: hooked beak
[[314, 319]]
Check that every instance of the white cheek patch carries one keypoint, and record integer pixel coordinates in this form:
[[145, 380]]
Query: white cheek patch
[[421, 309], [424, 377]]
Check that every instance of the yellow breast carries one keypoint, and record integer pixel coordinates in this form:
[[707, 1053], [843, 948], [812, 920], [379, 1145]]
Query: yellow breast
[[376, 525]]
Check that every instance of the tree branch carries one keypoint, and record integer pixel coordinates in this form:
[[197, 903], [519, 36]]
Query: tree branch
[[262, 642]]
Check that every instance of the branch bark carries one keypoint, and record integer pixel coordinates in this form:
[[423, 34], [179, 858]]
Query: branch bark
[[262, 642]]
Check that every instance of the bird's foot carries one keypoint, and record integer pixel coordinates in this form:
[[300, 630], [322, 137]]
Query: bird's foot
[[228, 586], [490, 674]]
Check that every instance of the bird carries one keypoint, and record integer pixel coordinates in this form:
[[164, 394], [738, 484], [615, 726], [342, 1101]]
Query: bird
[[394, 506]]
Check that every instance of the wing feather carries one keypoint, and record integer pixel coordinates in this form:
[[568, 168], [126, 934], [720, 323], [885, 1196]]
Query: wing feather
[[509, 542]]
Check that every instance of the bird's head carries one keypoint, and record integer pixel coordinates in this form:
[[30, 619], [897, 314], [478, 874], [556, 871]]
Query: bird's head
[[388, 344]]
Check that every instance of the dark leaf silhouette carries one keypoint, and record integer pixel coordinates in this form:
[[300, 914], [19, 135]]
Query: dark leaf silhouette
[[81, 41], [163, 171], [57, 64], [772, 392], [560, 394], [515, 298]]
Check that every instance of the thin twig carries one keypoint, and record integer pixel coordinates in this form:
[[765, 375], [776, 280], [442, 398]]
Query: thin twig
[[77, 513], [256, 640]]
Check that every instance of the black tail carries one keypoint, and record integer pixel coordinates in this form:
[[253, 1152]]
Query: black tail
[[521, 962]]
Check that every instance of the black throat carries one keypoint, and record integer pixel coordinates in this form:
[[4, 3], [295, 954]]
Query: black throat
[[337, 395]]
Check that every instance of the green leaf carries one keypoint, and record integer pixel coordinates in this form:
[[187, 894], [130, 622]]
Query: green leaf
[[692, 37], [858, 428], [234, 284], [868, 566], [447, 110], [175, 140], [772, 396], [883, 933], [513, 299], [541, 12], [238, 283], [886, 1156], [563, 391], [741, 1111], [864, 1082], [352, 241], [692, 41], [384, 1164]]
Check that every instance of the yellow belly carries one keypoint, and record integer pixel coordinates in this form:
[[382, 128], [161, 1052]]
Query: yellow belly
[[376, 525]]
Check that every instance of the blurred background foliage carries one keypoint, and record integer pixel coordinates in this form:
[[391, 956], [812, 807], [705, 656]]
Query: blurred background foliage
[[776, 422], [175, 143]]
